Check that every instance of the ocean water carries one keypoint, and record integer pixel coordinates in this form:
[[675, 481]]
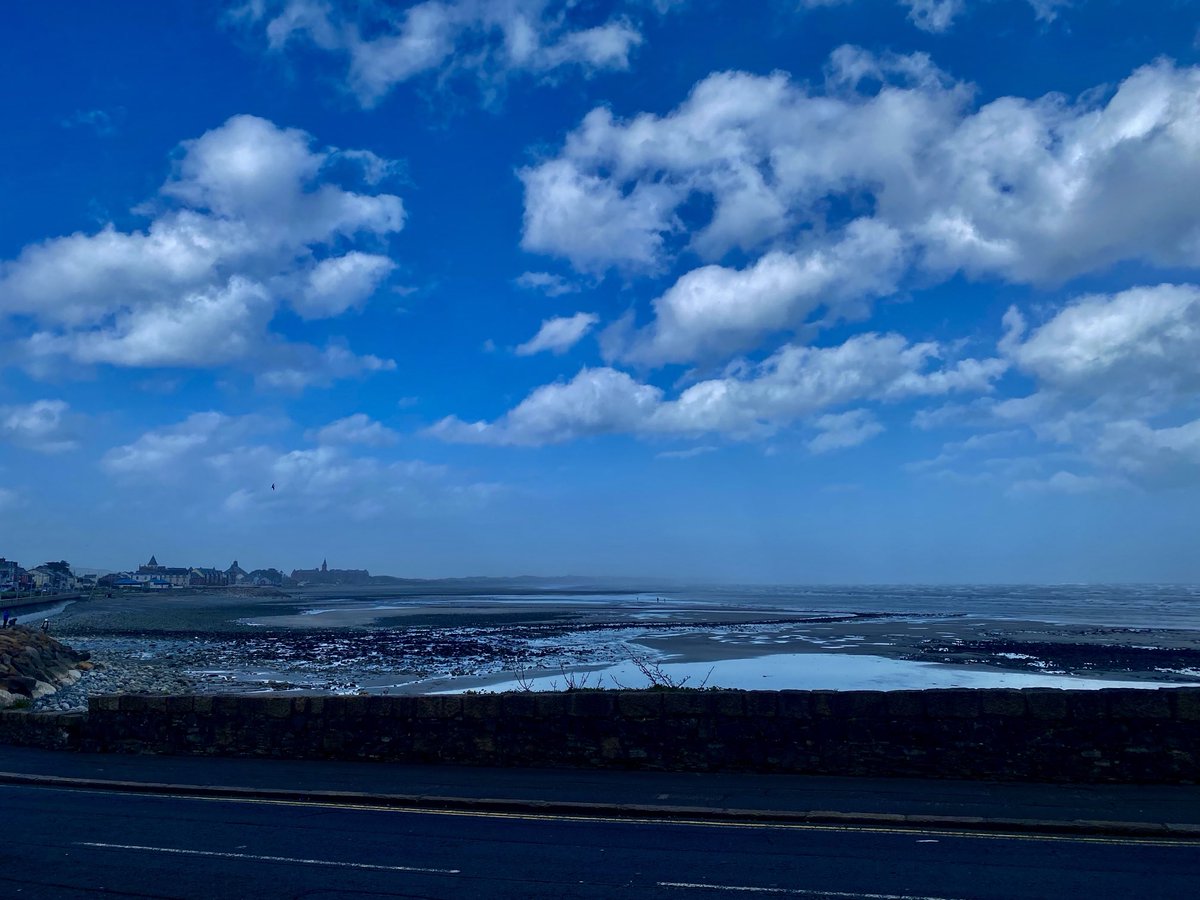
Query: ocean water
[[1108, 605], [1115, 605]]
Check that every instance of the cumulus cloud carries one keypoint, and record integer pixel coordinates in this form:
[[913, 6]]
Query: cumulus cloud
[[225, 464], [715, 311], [247, 220], [1163, 456], [558, 335], [592, 221], [161, 453], [934, 15], [596, 401], [44, 425], [1141, 343], [209, 327], [340, 283], [795, 382], [1116, 382], [356, 429], [294, 367], [385, 46], [1024, 190], [548, 283], [842, 430], [938, 16]]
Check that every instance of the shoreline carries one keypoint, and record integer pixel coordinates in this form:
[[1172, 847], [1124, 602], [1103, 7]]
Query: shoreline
[[276, 641]]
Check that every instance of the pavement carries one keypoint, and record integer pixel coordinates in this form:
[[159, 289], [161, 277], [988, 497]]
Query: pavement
[[63, 843], [1149, 811]]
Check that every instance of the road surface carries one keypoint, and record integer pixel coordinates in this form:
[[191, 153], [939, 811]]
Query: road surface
[[82, 843]]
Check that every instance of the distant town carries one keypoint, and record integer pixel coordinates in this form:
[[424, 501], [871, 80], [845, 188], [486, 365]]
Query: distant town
[[60, 578]]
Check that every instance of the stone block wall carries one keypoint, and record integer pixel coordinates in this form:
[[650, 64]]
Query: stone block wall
[[49, 731], [1123, 735]]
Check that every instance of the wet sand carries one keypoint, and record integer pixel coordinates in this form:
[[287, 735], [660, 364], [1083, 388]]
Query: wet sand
[[384, 640]]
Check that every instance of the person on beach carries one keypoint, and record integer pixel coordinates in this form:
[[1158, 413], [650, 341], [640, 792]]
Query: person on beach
[[6, 618], [45, 626]]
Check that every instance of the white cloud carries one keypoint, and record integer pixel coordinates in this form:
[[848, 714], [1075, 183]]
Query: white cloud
[[558, 335], [294, 367], [215, 465], [44, 425], [157, 453], [208, 327], [596, 401], [953, 451], [340, 283], [1143, 343], [1158, 457], [591, 221], [1063, 482], [1023, 190], [689, 453], [548, 283], [713, 311], [842, 430], [934, 15], [10, 499], [795, 382], [356, 429], [1116, 386], [247, 219], [938, 16], [386, 46]]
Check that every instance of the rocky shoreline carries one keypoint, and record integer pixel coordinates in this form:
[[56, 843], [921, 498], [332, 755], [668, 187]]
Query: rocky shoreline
[[34, 665], [103, 679]]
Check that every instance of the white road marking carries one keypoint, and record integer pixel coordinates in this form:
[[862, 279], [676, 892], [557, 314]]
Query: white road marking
[[794, 892], [286, 859]]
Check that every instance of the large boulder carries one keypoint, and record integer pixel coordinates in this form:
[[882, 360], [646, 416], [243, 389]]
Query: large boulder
[[33, 664], [19, 684]]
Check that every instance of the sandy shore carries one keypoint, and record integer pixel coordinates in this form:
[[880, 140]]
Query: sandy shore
[[383, 640]]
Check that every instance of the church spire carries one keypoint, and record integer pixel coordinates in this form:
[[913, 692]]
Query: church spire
[[325, 565]]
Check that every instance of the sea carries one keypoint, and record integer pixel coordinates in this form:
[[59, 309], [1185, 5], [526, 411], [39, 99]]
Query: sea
[[1175, 606]]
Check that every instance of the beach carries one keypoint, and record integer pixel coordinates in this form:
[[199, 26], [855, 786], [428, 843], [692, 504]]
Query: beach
[[384, 640]]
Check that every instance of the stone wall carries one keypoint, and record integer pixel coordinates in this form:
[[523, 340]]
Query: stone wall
[[1125, 735], [50, 731]]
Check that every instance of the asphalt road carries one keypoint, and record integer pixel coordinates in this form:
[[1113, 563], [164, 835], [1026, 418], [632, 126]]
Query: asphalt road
[[71, 843], [1164, 803]]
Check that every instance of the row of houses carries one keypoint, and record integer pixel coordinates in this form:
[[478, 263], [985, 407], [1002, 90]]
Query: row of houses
[[57, 577], [153, 576], [48, 578]]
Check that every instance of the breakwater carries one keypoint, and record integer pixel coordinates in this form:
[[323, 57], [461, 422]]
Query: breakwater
[[1117, 735]]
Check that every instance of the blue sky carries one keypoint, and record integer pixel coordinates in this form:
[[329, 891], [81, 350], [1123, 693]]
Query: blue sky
[[818, 290]]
